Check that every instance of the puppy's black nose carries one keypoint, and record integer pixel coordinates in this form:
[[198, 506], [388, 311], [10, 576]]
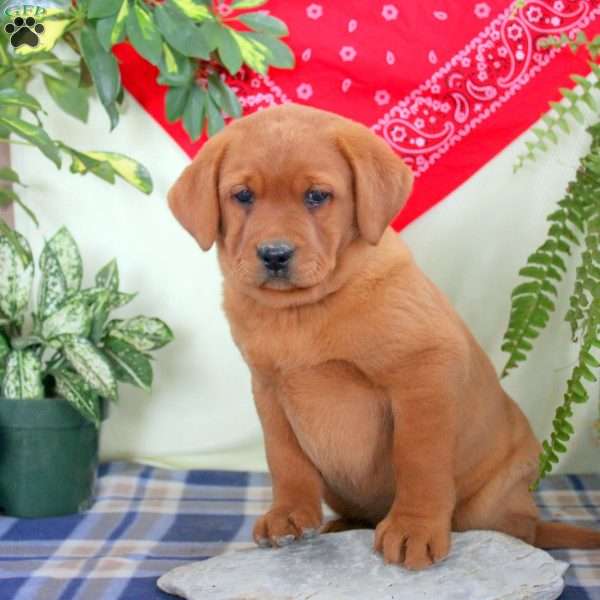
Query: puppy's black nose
[[275, 256]]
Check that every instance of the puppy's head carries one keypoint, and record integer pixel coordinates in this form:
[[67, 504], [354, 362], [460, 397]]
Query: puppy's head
[[284, 192]]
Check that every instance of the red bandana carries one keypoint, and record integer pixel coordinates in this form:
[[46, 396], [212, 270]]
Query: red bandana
[[448, 84]]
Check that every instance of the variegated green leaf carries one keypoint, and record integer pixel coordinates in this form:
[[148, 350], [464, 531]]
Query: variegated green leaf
[[128, 169], [16, 278], [180, 31], [170, 64], [224, 96], [143, 333], [108, 276], [91, 295], [129, 365], [34, 134], [121, 299], [102, 8], [5, 58], [119, 27], [23, 376], [104, 71], [100, 313], [254, 53], [93, 367], [111, 28], [4, 348], [26, 341], [52, 289], [4, 352], [263, 22], [229, 51], [103, 299], [99, 303], [64, 247], [238, 4], [62, 270], [72, 99], [175, 69], [117, 299], [72, 318], [21, 248], [17, 98], [176, 101], [278, 54], [193, 10], [143, 34], [194, 112], [73, 388]]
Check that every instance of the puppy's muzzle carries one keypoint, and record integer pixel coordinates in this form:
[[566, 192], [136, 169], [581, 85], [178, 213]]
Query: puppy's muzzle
[[276, 257]]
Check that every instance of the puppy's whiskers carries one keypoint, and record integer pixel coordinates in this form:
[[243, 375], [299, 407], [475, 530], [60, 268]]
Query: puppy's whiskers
[[243, 272], [311, 272]]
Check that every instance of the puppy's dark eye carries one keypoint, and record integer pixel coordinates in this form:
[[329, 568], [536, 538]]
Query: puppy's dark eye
[[313, 197], [244, 196]]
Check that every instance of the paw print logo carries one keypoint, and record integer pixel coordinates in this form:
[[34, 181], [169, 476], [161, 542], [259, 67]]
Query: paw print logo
[[24, 32]]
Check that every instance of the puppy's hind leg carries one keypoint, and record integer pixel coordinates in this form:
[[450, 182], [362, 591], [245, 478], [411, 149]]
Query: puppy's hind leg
[[504, 504], [518, 518], [519, 525]]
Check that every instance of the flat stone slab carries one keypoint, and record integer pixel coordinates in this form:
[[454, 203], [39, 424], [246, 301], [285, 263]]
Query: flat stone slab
[[483, 565]]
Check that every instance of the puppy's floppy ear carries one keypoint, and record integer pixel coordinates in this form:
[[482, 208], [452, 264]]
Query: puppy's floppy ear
[[382, 181], [194, 198]]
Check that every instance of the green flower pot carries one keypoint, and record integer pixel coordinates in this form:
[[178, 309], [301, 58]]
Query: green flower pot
[[48, 458]]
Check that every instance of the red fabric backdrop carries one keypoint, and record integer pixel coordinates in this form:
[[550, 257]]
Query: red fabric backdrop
[[447, 83]]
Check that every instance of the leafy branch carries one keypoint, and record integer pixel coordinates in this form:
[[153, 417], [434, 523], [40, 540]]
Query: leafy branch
[[194, 47]]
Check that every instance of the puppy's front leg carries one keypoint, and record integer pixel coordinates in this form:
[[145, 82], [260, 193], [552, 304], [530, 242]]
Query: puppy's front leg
[[297, 486], [416, 531]]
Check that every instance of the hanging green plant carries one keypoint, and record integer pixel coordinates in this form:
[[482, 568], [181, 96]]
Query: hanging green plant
[[190, 42], [574, 229]]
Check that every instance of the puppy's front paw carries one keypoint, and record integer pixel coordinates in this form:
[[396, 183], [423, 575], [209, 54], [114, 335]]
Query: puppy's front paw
[[283, 525], [414, 542]]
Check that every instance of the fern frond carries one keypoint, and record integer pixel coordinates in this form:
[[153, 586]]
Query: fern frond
[[569, 108], [575, 218], [576, 392], [588, 272], [584, 312], [581, 39]]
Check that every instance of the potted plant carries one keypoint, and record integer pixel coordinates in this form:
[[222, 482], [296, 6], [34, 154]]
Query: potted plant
[[58, 370]]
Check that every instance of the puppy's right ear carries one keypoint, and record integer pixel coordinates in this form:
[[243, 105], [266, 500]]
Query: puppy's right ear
[[194, 197]]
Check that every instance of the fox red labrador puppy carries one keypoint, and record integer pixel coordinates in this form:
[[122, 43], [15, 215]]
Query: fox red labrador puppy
[[372, 393]]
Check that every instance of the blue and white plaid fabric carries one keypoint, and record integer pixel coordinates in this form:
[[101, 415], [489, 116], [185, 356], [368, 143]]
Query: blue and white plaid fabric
[[146, 521]]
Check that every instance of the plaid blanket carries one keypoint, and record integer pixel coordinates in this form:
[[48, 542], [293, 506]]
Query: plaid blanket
[[146, 521]]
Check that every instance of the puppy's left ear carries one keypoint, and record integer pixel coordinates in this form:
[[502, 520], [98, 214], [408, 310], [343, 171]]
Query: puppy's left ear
[[382, 181], [194, 198]]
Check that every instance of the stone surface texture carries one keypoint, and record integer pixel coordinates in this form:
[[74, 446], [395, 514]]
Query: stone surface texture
[[482, 565]]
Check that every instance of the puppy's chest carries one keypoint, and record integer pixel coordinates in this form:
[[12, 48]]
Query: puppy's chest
[[342, 422], [282, 345]]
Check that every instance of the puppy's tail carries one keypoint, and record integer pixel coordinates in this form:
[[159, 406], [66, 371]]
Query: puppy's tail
[[562, 535]]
